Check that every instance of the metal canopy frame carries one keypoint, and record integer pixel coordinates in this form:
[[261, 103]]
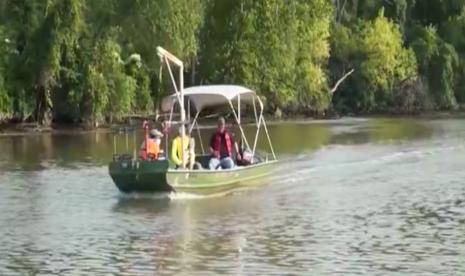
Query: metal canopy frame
[[167, 58]]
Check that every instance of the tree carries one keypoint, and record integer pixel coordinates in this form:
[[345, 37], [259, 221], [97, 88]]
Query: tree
[[386, 60], [5, 56], [438, 62], [375, 49], [279, 48], [52, 30], [313, 51], [108, 91], [139, 72]]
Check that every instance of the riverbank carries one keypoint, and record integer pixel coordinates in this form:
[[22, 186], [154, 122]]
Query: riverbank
[[130, 124], [19, 129]]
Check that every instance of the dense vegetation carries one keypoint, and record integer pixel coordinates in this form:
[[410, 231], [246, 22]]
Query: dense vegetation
[[90, 61]]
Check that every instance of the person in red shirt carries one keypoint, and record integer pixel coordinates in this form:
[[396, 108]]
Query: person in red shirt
[[221, 146]]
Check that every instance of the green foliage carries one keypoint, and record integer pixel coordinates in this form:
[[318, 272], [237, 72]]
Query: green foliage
[[313, 33], [436, 12], [453, 31], [441, 74], [387, 62], [375, 48], [438, 62], [278, 48], [96, 91], [109, 91], [136, 69], [145, 24], [89, 61], [51, 32], [425, 46], [5, 101], [66, 64]]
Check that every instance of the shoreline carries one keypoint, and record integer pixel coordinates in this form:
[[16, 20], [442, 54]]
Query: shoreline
[[23, 129]]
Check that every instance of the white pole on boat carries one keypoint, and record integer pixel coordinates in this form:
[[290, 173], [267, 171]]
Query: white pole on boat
[[183, 114], [258, 122], [134, 145], [174, 59], [239, 108], [255, 112], [188, 112], [237, 120], [173, 80], [196, 124], [162, 53], [127, 142], [114, 143], [266, 130], [200, 138]]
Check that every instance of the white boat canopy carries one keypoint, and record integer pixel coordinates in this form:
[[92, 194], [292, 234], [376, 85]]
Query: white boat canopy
[[210, 96]]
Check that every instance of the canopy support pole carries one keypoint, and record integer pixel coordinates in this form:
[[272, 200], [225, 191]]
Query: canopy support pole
[[167, 132], [240, 127], [239, 108], [255, 112], [200, 138], [258, 123], [183, 116], [162, 53], [189, 111], [195, 123], [134, 145], [266, 130], [173, 81], [114, 144]]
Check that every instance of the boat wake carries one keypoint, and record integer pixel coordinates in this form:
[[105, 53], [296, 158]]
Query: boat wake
[[173, 196], [186, 196], [154, 196], [332, 159]]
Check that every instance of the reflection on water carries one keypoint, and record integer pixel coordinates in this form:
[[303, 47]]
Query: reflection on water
[[351, 197], [41, 151]]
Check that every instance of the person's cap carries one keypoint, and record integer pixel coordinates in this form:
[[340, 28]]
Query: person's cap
[[156, 133]]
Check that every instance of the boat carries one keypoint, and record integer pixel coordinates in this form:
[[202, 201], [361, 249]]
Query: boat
[[132, 174]]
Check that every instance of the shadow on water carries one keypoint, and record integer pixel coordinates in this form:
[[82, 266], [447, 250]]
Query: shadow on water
[[172, 202], [150, 204]]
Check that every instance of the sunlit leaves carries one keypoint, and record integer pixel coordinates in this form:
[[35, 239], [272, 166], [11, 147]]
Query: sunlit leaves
[[386, 60], [279, 48]]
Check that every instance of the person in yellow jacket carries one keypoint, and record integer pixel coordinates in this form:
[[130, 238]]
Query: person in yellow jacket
[[189, 153]]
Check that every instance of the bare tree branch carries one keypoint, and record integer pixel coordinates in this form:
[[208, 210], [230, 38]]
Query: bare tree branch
[[340, 81]]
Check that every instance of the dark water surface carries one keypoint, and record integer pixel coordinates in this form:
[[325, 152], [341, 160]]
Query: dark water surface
[[353, 196]]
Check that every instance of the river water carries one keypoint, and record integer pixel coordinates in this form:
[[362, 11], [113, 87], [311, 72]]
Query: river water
[[352, 196]]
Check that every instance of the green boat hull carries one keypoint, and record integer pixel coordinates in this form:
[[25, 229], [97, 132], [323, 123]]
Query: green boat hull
[[156, 176]]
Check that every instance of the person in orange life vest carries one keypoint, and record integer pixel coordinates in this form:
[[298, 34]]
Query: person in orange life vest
[[221, 146], [153, 145]]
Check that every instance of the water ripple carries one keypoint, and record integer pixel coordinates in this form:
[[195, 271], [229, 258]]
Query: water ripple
[[351, 209]]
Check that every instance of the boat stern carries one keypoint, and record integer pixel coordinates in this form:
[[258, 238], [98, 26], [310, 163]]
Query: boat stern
[[132, 175]]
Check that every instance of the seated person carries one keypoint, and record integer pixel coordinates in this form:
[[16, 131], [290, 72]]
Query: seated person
[[189, 151], [244, 155], [221, 144], [152, 149]]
